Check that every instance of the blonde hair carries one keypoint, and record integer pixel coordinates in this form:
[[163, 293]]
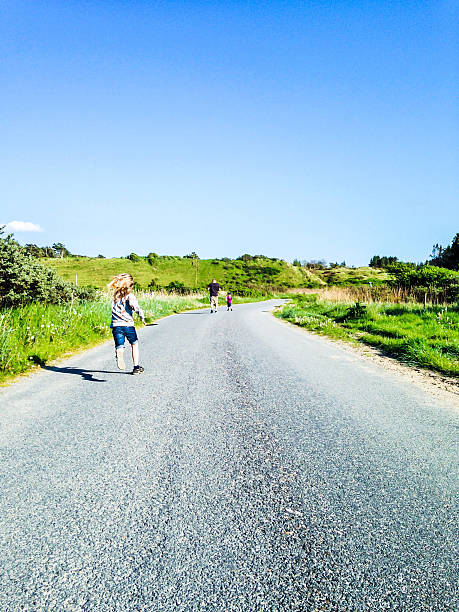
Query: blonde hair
[[121, 285]]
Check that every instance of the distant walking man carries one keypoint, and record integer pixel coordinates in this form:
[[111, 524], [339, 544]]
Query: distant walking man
[[213, 288]]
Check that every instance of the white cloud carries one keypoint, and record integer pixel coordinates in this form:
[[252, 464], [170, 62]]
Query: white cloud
[[22, 226]]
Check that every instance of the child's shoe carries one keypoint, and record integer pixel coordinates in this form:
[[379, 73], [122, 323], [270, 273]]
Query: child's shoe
[[138, 369], [120, 359]]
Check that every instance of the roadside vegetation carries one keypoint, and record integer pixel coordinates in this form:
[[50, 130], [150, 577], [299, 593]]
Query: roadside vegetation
[[53, 302], [413, 315], [36, 333], [427, 336]]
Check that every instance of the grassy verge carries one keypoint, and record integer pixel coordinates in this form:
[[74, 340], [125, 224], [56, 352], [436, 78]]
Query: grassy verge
[[425, 336]]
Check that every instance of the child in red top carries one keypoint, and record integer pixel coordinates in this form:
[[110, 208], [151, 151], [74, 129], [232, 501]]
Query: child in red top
[[229, 301]]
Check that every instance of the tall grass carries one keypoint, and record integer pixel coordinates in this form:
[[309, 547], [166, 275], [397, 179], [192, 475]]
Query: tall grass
[[426, 336], [381, 294]]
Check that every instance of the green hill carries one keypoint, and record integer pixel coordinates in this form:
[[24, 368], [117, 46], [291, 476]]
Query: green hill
[[240, 276], [236, 275]]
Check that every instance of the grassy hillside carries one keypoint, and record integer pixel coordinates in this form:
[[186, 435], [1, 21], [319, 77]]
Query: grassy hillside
[[353, 276], [231, 274], [260, 273]]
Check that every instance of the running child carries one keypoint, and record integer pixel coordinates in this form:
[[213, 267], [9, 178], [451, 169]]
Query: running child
[[229, 301], [124, 304]]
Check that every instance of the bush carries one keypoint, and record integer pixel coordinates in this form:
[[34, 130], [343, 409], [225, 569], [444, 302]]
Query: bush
[[154, 285], [357, 311], [24, 279], [134, 257], [430, 278], [178, 287]]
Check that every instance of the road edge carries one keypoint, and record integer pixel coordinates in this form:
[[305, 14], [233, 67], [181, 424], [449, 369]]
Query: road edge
[[436, 384]]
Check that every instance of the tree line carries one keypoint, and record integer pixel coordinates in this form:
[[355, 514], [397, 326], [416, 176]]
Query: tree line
[[441, 257]]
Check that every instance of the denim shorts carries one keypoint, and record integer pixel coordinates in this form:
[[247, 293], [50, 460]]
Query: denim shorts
[[120, 332]]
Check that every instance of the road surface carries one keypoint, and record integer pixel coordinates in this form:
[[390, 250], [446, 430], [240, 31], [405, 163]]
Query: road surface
[[251, 467]]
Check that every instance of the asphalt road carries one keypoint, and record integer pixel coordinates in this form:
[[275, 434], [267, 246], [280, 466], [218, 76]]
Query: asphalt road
[[251, 467]]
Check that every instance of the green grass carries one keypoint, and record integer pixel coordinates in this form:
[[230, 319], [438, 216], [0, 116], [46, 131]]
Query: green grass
[[353, 276], [425, 336], [37, 333], [262, 273]]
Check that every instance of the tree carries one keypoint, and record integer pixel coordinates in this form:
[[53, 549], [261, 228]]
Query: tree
[[60, 250], [382, 262], [33, 250], [315, 264], [195, 264], [447, 257]]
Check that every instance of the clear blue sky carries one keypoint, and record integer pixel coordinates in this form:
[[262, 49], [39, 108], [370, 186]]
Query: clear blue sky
[[294, 129]]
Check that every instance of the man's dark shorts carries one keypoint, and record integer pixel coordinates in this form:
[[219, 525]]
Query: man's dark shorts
[[120, 332]]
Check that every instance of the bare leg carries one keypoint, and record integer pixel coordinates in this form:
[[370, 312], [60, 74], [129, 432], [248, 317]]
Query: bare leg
[[120, 357], [135, 353]]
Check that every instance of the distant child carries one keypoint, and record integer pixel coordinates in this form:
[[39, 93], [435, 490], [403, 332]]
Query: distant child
[[229, 301], [123, 305]]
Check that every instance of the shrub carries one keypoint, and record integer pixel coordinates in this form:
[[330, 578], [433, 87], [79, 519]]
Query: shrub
[[178, 287], [357, 311], [154, 285], [430, 280], [24, 279], [134, 257]]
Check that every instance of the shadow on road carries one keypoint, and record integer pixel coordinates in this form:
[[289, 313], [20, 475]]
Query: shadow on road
[[201, 312], [85, 374]]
